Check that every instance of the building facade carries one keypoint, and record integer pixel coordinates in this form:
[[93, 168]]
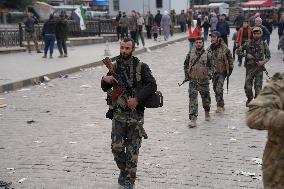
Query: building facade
[[147, 5]]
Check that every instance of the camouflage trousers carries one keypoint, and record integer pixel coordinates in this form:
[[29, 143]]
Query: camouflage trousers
[[126, 141], [253, 77], [203, 89], [218, 87]]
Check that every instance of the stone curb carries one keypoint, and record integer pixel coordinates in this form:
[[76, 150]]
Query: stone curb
[[39, 79]]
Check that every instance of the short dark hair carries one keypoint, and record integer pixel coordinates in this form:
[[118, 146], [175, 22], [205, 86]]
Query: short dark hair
[[127, 39], [200, 38]]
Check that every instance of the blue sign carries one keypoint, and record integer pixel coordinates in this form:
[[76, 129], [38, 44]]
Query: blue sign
[[101, 2]]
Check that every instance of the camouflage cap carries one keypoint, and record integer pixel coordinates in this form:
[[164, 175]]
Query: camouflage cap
[[215, 34], [257, 29]]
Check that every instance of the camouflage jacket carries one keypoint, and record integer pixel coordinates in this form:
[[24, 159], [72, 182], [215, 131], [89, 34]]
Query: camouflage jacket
[[200, 70], [266, 112], [221, 58], [259, 50]]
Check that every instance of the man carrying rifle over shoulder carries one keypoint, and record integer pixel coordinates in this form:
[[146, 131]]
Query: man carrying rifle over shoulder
[[257, 54], [132, 83], [222, 61], [198, 71]]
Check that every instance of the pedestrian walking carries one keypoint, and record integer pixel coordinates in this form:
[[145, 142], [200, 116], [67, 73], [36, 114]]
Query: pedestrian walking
[[269, 25], [166, 25], [30, 31], [118, 27], [174, 21], [48, 31], [155, 31], [158, 19], [133, 26], [61, 33], [149, 19], [257, 54], [140, 23], [206, 26], [222, 61], [213, 22], [238, 22], [265, 32], [234, 39], [281, 27], [124, 23], [223, 28], [198, 71], [193, 34], [182, 21], [266, 112], [244, 36], [128, 109]]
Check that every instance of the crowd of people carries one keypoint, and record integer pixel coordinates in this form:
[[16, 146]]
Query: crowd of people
[[53, 29]]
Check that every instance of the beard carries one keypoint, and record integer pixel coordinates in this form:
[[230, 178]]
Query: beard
[[126, 56]]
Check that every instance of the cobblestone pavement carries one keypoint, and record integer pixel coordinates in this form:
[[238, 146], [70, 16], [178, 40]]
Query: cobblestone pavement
[[68, 145]]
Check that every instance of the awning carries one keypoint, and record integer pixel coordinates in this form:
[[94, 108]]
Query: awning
[[265, 3]]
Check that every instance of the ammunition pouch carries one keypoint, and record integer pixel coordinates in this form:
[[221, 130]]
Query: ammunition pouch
[[154, 101]]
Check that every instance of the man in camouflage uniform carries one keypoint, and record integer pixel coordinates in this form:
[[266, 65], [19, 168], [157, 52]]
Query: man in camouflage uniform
[[266, 112], [222, 61], [128, 116], [198, 71], [257, 54]]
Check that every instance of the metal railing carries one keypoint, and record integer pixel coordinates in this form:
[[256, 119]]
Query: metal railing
[[10, 37]]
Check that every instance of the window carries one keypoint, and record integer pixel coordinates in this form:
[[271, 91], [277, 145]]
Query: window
[[116, 5], [159, 4]]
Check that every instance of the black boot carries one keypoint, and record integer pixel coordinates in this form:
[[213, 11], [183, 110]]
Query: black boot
[[122, 177]]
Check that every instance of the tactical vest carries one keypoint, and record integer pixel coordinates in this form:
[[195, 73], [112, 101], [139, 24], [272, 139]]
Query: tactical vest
[[219, 58], [200, 69], [258, 51]]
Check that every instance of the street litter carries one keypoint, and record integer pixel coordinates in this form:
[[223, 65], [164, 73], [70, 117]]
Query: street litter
[[247, 174], [63, 76], [38, 141], [233, 128], [210, 144], [233, 139], [65, 157], [86, 86], [22, 180], [75, 77], [25, 96], [158, 165], [10, 168], [90, 125], [46, 79], [257, 161], [252, 146], [2, 105], [24, 89], [73, 142], [30, 121]]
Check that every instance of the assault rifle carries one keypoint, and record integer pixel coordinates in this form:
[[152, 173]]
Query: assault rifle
[[261, 68], [124, 86]]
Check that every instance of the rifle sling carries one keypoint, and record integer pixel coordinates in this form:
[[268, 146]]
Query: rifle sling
[[196, 60]]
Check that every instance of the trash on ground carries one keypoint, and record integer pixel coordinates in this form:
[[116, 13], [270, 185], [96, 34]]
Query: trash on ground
[[22, 180], [30, 121], [158, 165], [253, 146], [73, 142], [46, 79], [210, 144], [63, 76], [233, 139], [247, 174], [86, 86], [257, 161], [232, 128], [38, 141], [25, 96], [24, 89], [10, 168], [65, 157], [75, 77]]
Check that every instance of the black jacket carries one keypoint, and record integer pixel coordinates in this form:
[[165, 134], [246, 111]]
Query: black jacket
[[61, 30], [30, 24], [49, 27], [148, 82]]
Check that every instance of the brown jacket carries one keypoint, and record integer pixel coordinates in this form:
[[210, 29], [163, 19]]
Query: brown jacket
[[266, 112], [239, 40]]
